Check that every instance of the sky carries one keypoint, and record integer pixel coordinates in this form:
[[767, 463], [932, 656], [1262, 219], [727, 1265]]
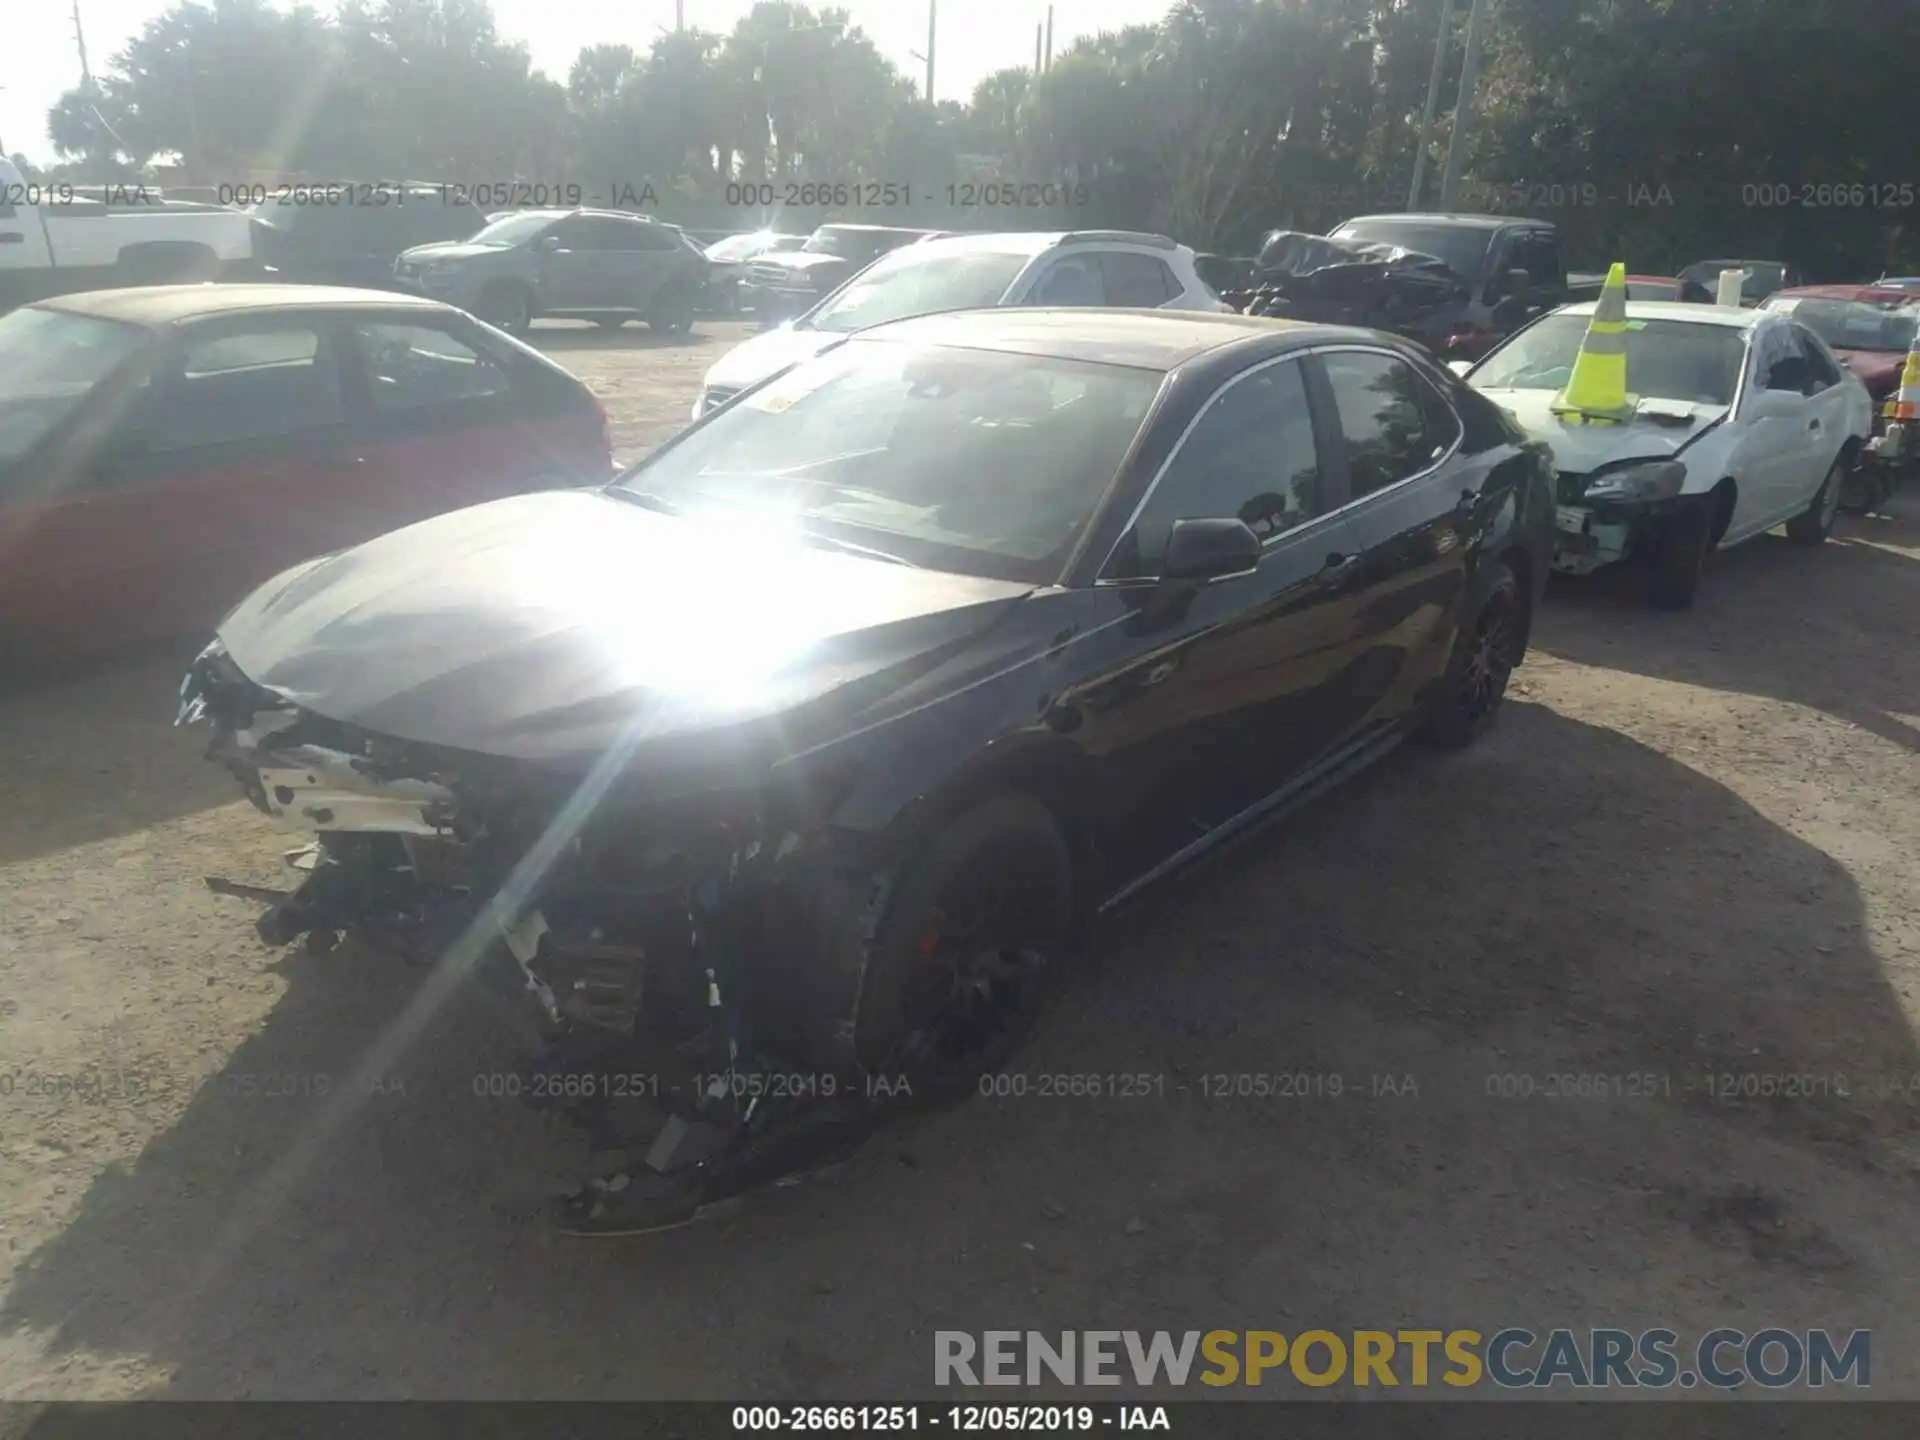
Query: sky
[[976, 37]]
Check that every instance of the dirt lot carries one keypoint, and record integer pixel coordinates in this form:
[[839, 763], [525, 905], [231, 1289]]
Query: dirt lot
[[1690, 849]]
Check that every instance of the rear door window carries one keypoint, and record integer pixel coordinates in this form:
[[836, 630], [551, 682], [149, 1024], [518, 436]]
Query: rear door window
[[1386, 421], [412, 367]]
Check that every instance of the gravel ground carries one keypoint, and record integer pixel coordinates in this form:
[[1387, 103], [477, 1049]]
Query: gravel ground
[[1689, 850]]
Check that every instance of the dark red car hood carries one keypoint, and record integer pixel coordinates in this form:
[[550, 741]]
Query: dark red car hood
[[1879, 370]]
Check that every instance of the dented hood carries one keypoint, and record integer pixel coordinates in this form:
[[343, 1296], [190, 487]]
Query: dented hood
[[549, 627], [1660, 430]]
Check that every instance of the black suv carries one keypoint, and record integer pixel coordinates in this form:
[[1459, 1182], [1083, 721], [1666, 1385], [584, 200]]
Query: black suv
[[601, 265], [355, 244]]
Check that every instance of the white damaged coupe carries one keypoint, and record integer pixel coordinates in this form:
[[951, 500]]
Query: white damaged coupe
[[1741, 420]]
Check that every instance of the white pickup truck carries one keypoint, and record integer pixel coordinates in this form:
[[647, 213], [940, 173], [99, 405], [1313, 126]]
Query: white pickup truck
[[56, 238]]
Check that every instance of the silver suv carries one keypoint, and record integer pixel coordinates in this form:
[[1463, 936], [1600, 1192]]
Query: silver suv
[[601, 265], [1124, 269]]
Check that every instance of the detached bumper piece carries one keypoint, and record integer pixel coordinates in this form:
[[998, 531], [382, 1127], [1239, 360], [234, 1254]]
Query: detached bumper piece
[[1584, 542]]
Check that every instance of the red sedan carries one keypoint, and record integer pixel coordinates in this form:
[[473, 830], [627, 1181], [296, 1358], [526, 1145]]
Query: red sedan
[[164, 450], [1870, 327]]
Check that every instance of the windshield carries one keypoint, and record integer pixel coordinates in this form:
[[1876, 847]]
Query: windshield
[[912, 282], [49, 361], [512, 230], [976, 461], [1463, 248], [850, 244], [1882, 325], [1666, 359]]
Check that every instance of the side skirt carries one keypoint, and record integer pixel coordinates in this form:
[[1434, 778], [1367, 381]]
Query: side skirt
[[1325, 776]]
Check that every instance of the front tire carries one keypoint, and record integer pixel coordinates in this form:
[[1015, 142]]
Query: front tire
[[980, 919], [1680, 556], [506, 307], [1485, 651], [672, 311], [1812, 525]]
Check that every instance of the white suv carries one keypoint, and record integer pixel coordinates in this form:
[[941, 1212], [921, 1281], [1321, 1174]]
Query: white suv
[[1114, 268]]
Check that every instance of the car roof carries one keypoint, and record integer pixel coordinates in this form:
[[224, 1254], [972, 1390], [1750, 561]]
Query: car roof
[[1695, 312], [1143, 339], [1892, 294], [875, 229], [172, 304], [1038, 242], [1468, 222]]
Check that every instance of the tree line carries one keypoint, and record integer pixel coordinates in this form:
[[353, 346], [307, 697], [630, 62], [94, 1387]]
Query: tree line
[[1660, 131]]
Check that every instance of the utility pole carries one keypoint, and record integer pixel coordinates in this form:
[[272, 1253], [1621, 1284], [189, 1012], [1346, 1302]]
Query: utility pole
[[679, 14], [80, 39], [1463, 108], [1037, 27], [1049, 37], [933, 13], [1442, 44]]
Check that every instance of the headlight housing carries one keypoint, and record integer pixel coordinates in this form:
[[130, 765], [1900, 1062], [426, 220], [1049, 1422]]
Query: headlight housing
[[1638, 481]]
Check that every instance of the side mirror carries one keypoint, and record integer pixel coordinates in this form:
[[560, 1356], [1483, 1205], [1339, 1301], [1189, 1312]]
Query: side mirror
[[1210, 549], [1460, 367]]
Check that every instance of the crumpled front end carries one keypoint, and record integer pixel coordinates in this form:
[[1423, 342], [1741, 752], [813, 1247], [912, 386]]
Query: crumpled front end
[[626, 914]]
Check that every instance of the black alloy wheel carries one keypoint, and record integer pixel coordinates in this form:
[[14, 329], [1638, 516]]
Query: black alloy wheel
[[1486, 650], [978, 926]]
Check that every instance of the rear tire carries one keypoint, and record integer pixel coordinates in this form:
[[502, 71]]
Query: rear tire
[[1680, 556], [1812, 525], [1486, 649], [979, 920]]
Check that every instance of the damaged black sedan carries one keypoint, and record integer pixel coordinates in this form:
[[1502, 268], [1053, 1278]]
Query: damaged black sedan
[[791, 765]]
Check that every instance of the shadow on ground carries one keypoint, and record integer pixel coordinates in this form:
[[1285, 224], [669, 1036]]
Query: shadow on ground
[[1517, 910], [1821, 627], [87, 755]]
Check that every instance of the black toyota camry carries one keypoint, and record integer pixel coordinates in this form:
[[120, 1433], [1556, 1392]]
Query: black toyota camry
[[810, 745]]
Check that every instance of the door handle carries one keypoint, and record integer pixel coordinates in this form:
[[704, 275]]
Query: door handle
[[1337, 566], [12, 237], [1468, 499], [1813, 424]]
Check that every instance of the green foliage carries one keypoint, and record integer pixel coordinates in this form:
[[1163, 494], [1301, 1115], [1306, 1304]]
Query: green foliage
[[1654, 130]]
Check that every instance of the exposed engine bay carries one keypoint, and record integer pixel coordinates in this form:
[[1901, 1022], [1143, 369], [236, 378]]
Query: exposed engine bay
[[667, 939]]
